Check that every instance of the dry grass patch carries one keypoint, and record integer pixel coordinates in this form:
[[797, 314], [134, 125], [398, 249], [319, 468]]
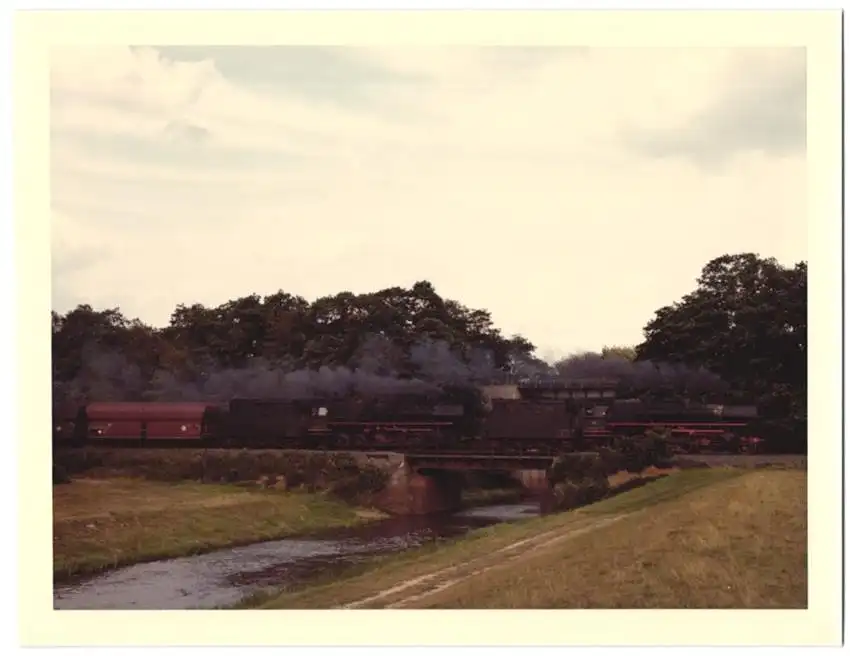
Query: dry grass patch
[[481, 547], [739, 544], [99, 524]]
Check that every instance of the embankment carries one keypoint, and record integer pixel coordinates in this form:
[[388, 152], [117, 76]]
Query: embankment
[[100, 524], [124, 506], [700, 538]]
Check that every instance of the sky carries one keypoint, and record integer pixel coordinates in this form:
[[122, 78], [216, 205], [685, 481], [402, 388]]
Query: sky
[[569, 191]]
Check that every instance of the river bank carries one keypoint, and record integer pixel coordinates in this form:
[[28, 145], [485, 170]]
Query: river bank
[[104, 523], [705, 538], [115, 507], [236, 576], [327, 541]]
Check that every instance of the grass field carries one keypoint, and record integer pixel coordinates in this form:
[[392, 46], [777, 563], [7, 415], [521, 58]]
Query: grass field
[[703, 538], [102, 523]]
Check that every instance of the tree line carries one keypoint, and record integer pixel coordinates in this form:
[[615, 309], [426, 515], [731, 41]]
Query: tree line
[[744, 325]]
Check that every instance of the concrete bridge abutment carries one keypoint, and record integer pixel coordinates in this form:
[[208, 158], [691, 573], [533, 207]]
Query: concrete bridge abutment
[[533, 480], [414, 491], [424, 485], [538, 485]]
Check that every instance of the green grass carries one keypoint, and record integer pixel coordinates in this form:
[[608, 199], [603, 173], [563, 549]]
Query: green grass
[[104, 523], [384, 572], [740, 543]]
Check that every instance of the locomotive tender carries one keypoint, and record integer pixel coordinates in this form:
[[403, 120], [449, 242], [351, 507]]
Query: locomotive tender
[[509, 420]]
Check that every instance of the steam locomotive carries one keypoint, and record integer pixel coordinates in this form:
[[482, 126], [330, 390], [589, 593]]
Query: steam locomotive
[[451, 420]]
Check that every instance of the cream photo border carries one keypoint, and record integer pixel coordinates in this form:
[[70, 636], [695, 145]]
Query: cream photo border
[[819, 32]]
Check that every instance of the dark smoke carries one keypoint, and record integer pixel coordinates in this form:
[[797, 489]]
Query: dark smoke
[[260, 379], [373, 369], [377, 366], [641, 374], [436, 362], [104, 375]]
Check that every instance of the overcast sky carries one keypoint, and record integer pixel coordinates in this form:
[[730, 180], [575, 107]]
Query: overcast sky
[[571, 192]]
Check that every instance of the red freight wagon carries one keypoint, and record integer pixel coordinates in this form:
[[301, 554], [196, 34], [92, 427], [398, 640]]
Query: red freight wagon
[[150, 421]]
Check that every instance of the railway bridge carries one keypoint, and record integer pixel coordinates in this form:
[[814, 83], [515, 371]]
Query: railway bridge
[[423, 483]]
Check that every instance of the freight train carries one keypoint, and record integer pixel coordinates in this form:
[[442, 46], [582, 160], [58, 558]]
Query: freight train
[[468, 420]]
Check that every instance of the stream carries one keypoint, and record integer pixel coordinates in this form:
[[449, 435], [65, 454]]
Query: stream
[[228, 576]]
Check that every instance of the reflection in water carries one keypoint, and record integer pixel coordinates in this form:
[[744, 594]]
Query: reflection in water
[[227, 576]]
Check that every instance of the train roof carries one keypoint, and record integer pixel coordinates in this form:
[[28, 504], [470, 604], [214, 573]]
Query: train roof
[[146, 410]]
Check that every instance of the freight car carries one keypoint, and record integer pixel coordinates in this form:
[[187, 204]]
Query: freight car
[[391, 422], [134, 423]]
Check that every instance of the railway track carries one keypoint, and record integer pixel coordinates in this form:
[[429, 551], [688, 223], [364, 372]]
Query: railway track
[[679, 460]]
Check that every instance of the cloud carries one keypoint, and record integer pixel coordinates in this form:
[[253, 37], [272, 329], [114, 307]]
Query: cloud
[[76, 250], [762, 107], [183, 132], [500, 175], [322, 74]]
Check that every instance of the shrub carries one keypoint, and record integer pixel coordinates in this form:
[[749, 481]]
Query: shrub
[[338, 473], [574, 466], [637, 452], [574, 493]]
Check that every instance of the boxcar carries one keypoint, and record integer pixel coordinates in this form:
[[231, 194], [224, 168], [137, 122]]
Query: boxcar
[[146, 422]]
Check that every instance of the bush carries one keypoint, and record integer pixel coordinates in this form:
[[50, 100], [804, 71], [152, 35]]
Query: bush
[[612, 461], [566, 495], [575, 466], [359, 484], [339, 473], [575, 493], [639, 452]]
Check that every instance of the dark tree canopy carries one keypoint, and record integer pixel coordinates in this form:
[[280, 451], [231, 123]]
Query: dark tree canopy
[[742, 330], [251, 344], [745, 321]]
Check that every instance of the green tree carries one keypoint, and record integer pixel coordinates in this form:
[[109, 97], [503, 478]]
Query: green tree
[[395, 330], [747, 322], [621, 352]]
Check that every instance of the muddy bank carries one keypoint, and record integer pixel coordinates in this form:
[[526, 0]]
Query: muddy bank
[[227, 577]]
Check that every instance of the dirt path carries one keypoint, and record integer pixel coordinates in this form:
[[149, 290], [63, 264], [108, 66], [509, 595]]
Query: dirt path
[[413, 590]]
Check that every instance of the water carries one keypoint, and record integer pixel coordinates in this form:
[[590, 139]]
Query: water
[[227, 576]]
